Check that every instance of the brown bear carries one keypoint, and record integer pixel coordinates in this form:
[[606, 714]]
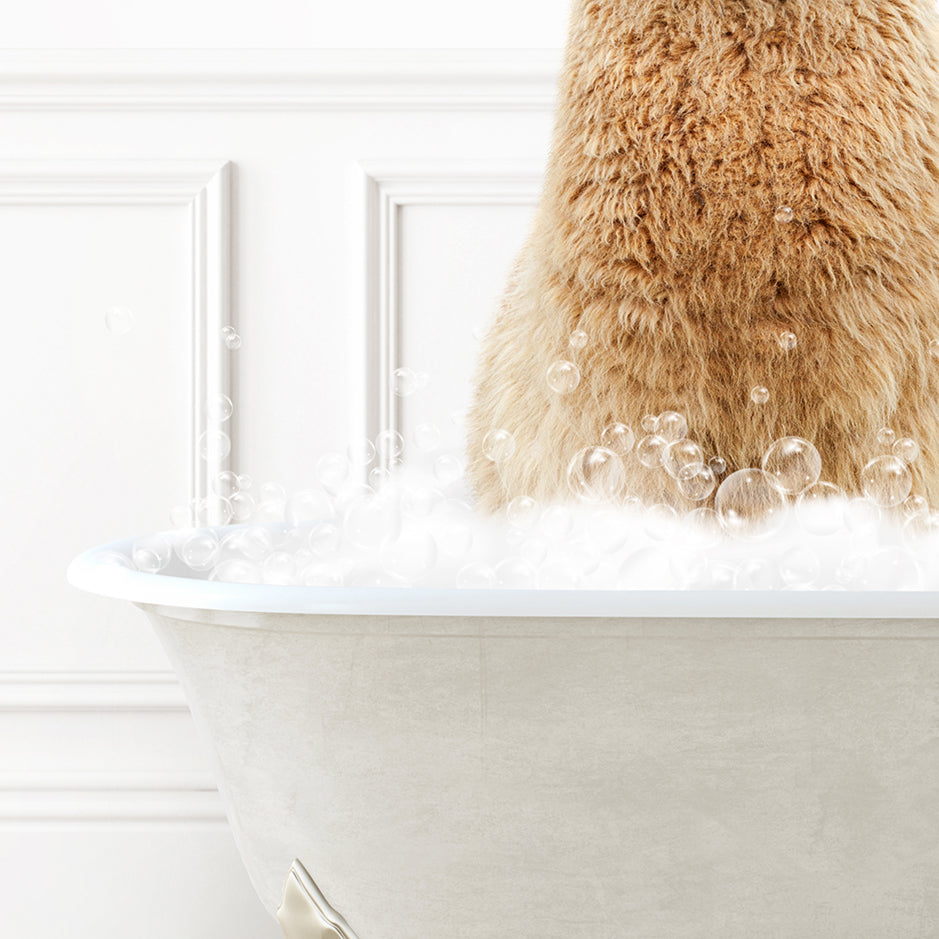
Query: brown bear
[[741, 195]]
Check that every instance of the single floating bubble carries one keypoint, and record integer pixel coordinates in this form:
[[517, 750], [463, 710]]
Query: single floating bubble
[[934, 348], [361, 453], [523, 512], [671, 425], [214, 445], [406, 382], [273, 492], [225, 484], [563, 377], [243, 506], [916, 507], [378, 476], [390, 446], [819, 510], [219, 408], [279, 568], [650, 451], [696, 481], [578, 339], [119, 321], [679, 454], [426, 437], [199, 549], [793, 464], [886, 481], [649, 423], [596, 474], [230, 337], [151, 554], [748, 503], [619, 438], [906, 449], [244, 481], [718, 465], [498, 445], [784, 214], [886, 437], [759, 394], [787, 341]]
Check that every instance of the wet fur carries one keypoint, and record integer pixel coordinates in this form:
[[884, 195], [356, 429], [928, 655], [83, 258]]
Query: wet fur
[[682, 126]]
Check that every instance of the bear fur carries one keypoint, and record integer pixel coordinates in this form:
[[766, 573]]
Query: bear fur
[[682, 127]]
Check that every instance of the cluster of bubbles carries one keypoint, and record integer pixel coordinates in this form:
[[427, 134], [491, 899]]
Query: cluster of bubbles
[[370, 520]]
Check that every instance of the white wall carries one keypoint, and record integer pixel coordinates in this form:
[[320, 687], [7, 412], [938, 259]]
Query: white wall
[[214, 24], [120, 174]]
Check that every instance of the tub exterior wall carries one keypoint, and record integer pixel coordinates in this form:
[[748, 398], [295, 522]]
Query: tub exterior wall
[[481, 778], [104, 792]]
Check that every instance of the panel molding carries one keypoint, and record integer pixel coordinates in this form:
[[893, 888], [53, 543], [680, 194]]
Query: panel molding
[[389, 188], [313, 79], [64, 796], [203, 188]]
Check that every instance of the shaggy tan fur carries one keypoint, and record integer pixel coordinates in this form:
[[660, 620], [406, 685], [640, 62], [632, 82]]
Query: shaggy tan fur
[[682, 126]]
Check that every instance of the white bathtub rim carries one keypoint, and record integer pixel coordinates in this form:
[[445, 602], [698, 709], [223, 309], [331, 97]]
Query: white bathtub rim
[[90, 572]]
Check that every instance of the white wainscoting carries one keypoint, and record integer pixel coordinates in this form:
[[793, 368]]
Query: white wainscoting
[[348, 213]]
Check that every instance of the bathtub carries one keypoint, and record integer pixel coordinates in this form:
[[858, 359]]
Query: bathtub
[[443, 764]]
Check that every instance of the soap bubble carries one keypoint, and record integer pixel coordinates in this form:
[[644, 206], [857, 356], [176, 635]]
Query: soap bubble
[[308, 505], [273, 492], [679, 454], [236, 571], [219, 408], [225, 484], [243, 506], [787, 341], [886, 481], [332, 471], [361, 453], [390, 446], [784, 214], [671, 425], [214, 445], [748, 503], [906, 449], [619, 438], [426, 437], [405, 381], [370, 520], [649, 423], [324, 539], [199, 549], [578, 339], [650, 451], [378, 476], [498, 445], [563, 377], [886, 437], [230, 338], [447, 469], [718, 465], [595, 474], [799, 567], [793, 464], [696, 481], [819, 510], [515, 574], [523, 512], [252, 543], [476, 576], [916, 506], [119, 321], [244, 481], [151, 554], [759, 394], [412, 555]]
